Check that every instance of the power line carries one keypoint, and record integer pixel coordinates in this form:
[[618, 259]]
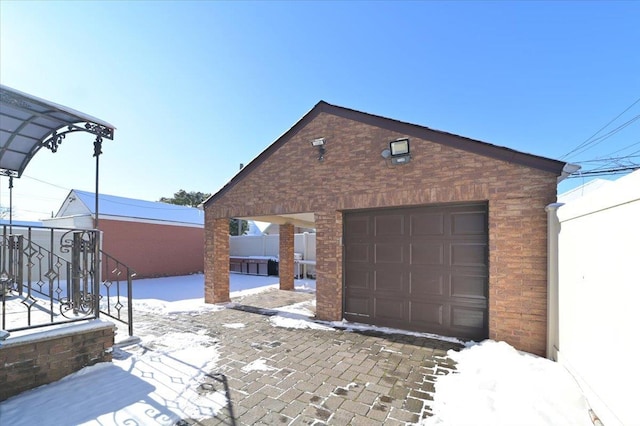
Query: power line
[[610, 159], [596, 141], [626, 147], [588, 140], [604, 172], [47, 183]]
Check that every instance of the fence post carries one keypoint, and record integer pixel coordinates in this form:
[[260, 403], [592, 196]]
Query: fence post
[[76, 268], [97, 272], [553, 327]]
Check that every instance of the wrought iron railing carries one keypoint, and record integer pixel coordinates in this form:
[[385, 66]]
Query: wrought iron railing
[[55, 276]]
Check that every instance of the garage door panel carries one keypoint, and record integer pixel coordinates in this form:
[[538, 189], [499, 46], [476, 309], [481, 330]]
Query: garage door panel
[[390, 279], [388, 309], [427, 224], [468, 254], [389, 225], [427, 314], [358, 306], [466, 317], [358, 253], [389, 253], [358, 226], [427, 282], [358, 278], [469, 286], [427, 253], [469, 223]]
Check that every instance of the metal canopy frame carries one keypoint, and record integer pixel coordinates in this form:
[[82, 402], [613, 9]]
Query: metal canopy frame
[[29, 123]]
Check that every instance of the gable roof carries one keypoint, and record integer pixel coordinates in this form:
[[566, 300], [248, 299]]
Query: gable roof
[[111, 205], [414, 130]]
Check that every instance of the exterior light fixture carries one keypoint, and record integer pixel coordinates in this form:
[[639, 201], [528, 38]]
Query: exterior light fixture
[[320, 144], [399, 151]]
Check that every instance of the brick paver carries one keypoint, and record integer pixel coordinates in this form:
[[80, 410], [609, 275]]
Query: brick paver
[[333, 377]]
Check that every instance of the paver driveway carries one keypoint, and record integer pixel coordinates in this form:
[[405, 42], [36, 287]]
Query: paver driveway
[[312, 376]]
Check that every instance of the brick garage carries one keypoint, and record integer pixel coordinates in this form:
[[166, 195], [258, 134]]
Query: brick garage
[[288, 178]]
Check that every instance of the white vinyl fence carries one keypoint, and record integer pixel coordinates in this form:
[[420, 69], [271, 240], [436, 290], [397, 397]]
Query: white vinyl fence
[[39, 242], [599, 297], [269, 245]]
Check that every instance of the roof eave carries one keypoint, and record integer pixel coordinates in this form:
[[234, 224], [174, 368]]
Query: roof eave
[[449, 139]]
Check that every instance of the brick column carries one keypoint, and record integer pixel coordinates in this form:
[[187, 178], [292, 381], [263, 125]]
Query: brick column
[[285, 268], [329, 265], [216, 261]]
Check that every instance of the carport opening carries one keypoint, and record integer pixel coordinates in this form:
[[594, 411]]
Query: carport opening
[[278, 246]]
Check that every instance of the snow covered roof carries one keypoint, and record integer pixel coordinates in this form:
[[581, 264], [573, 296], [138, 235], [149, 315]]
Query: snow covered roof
[[22, 223], [111, 205]]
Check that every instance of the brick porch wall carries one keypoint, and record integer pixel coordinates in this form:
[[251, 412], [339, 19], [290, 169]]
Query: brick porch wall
[[353, 176], [31, 361]]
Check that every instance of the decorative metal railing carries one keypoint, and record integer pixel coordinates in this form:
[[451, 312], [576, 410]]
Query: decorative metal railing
[[54, 276]]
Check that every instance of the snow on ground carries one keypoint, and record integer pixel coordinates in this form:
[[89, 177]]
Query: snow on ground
[[498, 385], [154, 381], [159, 380], [297, 316], [257, 365]]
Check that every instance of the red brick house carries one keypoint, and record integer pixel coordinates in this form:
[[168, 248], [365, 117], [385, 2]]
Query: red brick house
[[154, 239], [416, 228]]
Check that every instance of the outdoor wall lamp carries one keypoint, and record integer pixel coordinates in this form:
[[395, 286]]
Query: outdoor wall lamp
[[320, 144], [398, 151]]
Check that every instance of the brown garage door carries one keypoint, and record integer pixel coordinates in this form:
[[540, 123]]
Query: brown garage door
[[422, 269]]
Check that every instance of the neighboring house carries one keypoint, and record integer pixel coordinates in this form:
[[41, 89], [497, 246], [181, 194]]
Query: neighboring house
[[253, 230], [448, 238], [274, 229], [154, 239]]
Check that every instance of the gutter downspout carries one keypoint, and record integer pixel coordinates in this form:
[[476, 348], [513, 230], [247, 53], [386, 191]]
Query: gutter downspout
[[553, 326]]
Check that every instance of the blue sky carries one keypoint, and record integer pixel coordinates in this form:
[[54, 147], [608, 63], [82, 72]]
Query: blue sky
[[196, 88]]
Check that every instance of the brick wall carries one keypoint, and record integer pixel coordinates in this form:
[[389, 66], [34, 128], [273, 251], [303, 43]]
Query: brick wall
[[353, 175], [216, 250], [31, 361], [154, 250], [286, 266]]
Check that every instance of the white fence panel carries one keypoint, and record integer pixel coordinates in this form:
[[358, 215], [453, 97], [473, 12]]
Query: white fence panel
[[269, 245], [599, 291]]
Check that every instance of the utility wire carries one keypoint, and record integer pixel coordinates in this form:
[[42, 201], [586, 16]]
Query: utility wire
[[605, 172], [626, 147], [587, 141], [47, 183]]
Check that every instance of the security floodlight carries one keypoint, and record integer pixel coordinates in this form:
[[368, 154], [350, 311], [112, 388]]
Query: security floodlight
[[399, 151], [319, 143], [399, 147]]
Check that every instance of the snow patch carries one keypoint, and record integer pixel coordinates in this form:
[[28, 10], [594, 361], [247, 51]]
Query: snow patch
[[494, 384], [234, 325], [257, 365], [350, 326], [286, 322]]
